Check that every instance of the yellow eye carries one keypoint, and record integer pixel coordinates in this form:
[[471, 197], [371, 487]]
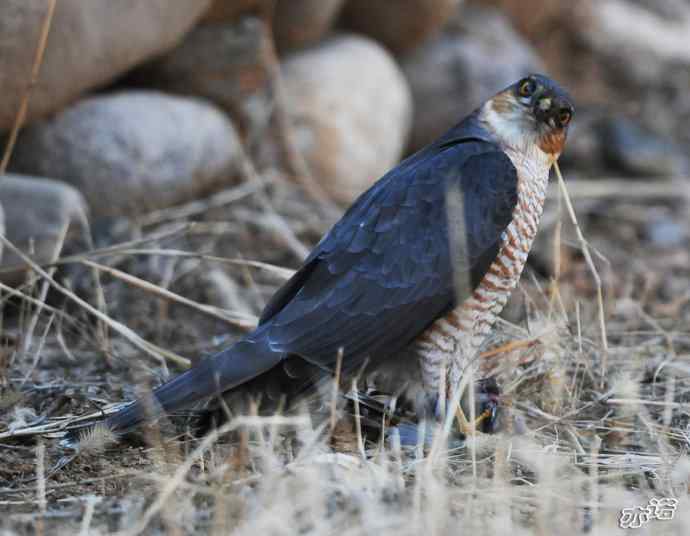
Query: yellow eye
[[527, 87], [564, 116]]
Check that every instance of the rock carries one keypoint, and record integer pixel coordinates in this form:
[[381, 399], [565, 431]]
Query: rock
[[133, 151], [401, 25], [230, 10], [644, 60], [600, 141], [640, 32], [349, 136], [631, 57], [297, 23], [90, 43], [477, 55], [225, 63], [213, 286], [633, 150], [36, 212], [665, 231]]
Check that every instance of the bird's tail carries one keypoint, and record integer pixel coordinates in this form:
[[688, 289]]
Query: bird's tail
[[234, 366]]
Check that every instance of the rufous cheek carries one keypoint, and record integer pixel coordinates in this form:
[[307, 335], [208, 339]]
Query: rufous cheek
[[503, 103]]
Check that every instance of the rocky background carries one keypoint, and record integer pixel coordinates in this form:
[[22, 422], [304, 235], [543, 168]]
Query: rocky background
[[141, 106]]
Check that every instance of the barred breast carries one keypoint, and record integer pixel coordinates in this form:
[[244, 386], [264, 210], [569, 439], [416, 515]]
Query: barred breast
[[452, 342]]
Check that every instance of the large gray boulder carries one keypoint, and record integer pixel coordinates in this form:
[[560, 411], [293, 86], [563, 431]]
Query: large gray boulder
[[36, 213], [133, 151], [90, 43], [351, 108]]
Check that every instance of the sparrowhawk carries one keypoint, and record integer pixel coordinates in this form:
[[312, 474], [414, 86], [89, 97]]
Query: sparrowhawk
[[410, 281]]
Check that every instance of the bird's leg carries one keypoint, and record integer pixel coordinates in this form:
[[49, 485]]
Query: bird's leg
[[487, 402], [459, 380], [471, 428]]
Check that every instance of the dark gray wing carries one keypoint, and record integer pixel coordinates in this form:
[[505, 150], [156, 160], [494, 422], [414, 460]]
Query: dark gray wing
[[384, 272]]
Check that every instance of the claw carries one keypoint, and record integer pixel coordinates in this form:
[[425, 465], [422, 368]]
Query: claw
[[471, 428]]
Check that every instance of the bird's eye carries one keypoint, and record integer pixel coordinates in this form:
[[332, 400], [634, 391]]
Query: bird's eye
[[564, 116], [527, 87]]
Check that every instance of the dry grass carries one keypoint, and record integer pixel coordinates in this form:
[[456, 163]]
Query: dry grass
[[575, 446], [594, 374]]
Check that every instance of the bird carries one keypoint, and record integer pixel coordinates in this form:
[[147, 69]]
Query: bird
[[409, 282]]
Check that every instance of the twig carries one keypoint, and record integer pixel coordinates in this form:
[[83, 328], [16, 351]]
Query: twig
[[178, 477], [336, 388], [38, 303], [110, 250], [275, 220], [509, 347], [24, 104], [592, 268], [39, 350], [298, 167], [594, 478], [148, 347], [358, 421], [235, 319], [41, 484], [636, 401], [278, 271], [27, 336], [200, 206], [91, 502], [617, 188]]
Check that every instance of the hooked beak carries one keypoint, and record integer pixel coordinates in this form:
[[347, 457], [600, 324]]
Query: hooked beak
[[552, 110]]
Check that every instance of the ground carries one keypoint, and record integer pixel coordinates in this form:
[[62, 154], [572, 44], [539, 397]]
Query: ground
[[586, 428]]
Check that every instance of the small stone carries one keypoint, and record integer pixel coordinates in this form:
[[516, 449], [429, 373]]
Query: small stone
[[133, 151], [477, 55], [351, 108], [401, 25], [37, 210], [90, 43]]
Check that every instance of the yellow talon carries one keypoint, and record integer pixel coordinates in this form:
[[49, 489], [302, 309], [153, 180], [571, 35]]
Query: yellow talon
[[465, 426]]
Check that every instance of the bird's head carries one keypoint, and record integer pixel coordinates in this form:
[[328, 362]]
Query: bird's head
[[533, 111]]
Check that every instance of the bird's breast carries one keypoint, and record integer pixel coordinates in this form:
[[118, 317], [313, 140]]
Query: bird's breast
[[452, 341]]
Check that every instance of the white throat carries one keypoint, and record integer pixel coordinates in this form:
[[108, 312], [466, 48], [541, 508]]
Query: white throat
[[518, 139]]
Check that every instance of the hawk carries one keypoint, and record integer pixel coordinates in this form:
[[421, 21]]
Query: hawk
[[410, 281]]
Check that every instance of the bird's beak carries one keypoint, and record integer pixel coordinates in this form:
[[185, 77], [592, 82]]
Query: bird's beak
[[549, 107]]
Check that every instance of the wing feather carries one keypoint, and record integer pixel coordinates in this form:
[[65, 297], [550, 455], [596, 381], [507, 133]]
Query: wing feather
[[384, 272]]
